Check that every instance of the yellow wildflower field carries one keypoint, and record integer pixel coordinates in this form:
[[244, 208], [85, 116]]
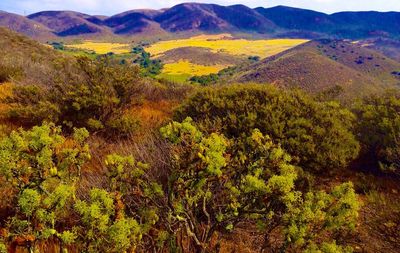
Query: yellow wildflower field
[[183, 67], [103, 47], [225, 43]]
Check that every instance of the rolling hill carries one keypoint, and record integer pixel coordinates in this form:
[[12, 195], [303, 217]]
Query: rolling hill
[[69, 23], [24, 25], [134, 22], [211, 17], [324, 65], [280, 21]]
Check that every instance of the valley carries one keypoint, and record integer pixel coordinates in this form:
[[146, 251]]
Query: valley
[[200, 128]]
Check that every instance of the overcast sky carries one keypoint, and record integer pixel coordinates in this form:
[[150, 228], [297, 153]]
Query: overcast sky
[[110, 7]]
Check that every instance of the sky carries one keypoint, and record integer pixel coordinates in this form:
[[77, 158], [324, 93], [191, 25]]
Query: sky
[[110, 7]]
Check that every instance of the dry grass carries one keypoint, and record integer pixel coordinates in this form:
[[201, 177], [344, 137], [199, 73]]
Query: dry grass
[[103, 47]]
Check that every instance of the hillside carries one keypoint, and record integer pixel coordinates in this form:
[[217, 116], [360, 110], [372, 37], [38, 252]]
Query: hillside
[[189, 18], [24, 60], [24, 25], [348, 25], [211, 17], [320, 66], [69, 23], [134, 22]]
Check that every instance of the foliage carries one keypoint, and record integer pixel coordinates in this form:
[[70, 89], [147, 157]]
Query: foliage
[[317, 135], [216, 183], [101, 231], [42, 170], [135, 195], [98, 93], [209, 193], [318, 213], [378, 129], [3, 248], [151, 67]]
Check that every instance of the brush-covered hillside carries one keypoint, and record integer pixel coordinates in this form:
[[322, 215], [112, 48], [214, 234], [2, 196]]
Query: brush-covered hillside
[[97, 154], [319, 66]]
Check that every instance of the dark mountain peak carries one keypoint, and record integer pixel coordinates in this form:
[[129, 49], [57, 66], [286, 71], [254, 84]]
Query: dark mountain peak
[[67, 23], [213, 17]]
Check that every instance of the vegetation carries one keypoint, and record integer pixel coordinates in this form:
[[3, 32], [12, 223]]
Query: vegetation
[[95, 97], [102, 47], [99, 155], [317, 135], [379, 128], [151, 67], [261, 48]]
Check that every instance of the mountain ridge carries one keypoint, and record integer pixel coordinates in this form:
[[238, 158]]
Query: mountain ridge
[[279, 21]]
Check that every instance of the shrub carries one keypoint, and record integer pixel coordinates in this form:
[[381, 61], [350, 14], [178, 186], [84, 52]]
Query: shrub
[[100, 231], [90, 97], [42, 172], [378, 129], [317, 135], [217, 183]]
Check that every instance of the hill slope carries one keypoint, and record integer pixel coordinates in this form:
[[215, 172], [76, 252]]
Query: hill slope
[[211, 17], [28, 61], [69, 23], [133, 22], [280, 21], [24, 25], [322, 66]]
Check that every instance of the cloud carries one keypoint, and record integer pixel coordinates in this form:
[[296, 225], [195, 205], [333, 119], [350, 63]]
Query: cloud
[[110, 7]]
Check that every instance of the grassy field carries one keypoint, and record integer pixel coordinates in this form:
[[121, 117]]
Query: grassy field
[[103, 47], [219, 46], [226, 44]]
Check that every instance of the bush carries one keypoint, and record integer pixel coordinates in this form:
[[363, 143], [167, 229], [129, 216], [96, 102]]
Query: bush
[[216, 184], [317, 135], [90, 97], [42, 172], [378, 130]]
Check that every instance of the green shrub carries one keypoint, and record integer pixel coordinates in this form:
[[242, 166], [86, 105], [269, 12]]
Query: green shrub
[[379, 130], [217, 183], [42, 172], [91, 96], [317, 135]]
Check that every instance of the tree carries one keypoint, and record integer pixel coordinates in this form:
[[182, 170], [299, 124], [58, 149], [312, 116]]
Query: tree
[[378, 129], [317, 135], [42, 171]]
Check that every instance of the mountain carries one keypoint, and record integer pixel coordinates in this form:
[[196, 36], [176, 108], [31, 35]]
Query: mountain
[[133, 22], [280, 21], [24, 25], [297, 19], [387, 46], [212, 17], [325, 65], [340, 25], [69, 23]]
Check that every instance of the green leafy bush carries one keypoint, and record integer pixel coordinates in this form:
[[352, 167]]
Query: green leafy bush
[[100, 231], [216, 183], [42, 172], [379, 130], [317, 135], [94, 94]]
